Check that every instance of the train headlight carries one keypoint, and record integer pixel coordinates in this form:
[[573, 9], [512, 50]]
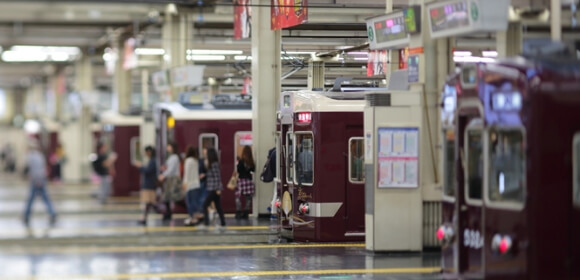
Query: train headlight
[[277, 203], [441, 233], [304, 208], [501, 244], [445, 233]]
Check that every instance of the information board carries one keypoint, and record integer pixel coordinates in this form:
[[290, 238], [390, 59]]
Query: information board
[[398, 157], [387, 31]]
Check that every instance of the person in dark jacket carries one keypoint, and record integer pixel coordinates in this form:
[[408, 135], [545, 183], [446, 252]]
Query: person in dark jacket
[[148, 182], [214, 187], [245, 169]]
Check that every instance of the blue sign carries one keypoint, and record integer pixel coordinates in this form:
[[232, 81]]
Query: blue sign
[[413, 68]]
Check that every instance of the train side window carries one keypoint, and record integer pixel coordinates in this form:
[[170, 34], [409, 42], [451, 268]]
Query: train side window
[[304, 164], [355, 160], [135, 149], [241, 139], [506, 165], [289, 157], [208, 140], [449, 163], [576, 151], [474, 153]]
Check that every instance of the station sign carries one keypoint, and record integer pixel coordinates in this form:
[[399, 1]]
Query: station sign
[[458, 17], [387, 31]]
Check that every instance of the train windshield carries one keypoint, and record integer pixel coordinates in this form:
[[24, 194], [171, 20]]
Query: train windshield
[[304, 159], [506, 165], [577, 170], [474, 164], [135, 149], [449, 163], [355, 157], [208, 140]]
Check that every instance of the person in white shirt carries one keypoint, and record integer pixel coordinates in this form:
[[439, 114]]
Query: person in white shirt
[[191, 186]]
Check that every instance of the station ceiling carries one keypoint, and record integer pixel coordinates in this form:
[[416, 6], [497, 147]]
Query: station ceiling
[[87, 24]]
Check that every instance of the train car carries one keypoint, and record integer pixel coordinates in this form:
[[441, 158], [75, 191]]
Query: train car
[[516, 199], [227, 130], [121, 134], [321, 175]]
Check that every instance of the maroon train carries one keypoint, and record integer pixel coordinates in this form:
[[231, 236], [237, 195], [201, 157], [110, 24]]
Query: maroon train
[[121, 134], [511, 207], [320, 184], [227, 130]]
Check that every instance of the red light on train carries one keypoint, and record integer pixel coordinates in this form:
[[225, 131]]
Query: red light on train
[[505, 245], [441, 233], [304, 117], [277, 203]]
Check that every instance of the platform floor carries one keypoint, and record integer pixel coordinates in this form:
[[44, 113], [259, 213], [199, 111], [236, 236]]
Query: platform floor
[[93, 241]]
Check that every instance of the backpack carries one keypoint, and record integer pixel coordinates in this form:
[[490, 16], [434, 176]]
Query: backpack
[[98, 166], [269, 171]]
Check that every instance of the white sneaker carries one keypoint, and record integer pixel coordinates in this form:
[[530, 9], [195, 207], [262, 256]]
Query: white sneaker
[[202, 227], [219, 228], [212, 214], [187, 221]]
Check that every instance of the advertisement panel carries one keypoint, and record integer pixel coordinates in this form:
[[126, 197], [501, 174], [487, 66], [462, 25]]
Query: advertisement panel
[[288, 13], [242, 19]]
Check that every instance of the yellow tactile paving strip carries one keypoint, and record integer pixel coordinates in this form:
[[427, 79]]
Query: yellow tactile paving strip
[[187, 275]]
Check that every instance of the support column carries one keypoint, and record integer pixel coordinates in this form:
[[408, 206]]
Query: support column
[[85, 86], [556, 20], [509, 42], [316, 74], [122, 86], [177, 39], [266, 73], [145, 90]]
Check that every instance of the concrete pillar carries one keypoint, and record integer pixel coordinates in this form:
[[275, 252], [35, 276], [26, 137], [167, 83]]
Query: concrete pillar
[[177, 35], [316, 74], [144, 90], [85, 87], [556, 20], [121, 81], [266, 73], [509, 42]]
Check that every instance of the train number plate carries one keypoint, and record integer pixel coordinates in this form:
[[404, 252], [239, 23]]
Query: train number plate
[[472, 239]]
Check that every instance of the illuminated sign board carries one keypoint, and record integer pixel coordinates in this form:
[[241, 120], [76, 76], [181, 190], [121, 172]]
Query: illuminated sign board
[[387, 31], [506, 101], [457, 17], [412, 19]]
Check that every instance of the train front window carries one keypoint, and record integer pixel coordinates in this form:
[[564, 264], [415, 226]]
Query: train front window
[[289, 157], [449, 163], [208, 140], [304, 167], [506, 165], [576, 151], [474, 164], [355, 160]]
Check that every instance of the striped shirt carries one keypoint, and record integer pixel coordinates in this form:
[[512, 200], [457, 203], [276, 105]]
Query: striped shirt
[[214, 178]]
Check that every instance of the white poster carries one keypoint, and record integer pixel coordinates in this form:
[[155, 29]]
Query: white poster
[[398, 157]]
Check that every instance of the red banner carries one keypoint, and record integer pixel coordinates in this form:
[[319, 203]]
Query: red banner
[[377, 64], [288, 13], [242, 19]]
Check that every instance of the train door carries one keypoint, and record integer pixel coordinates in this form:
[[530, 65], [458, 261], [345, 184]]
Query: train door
[[471, 211], [355, 183], [448, 206]]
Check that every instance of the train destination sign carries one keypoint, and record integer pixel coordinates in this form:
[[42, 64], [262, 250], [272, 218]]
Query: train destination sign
[[457, 17], [387, 31]]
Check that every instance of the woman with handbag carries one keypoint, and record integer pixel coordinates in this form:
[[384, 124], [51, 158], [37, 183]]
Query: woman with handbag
[[214, 187], [171, 180], [245, 184]]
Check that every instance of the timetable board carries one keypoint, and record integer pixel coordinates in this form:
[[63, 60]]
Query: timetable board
[[457, 17], [387, 31]]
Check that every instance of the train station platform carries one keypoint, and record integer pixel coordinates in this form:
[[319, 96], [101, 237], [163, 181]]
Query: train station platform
[[94, 241]]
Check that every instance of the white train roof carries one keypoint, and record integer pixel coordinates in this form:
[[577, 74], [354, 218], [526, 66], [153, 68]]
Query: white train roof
[[114, 118], [179, 112], [316, 101]]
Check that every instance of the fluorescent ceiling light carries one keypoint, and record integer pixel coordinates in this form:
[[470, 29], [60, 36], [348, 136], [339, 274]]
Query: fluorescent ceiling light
[[213, 52], [242, 57], [46, 49], [361, 58], [14, 56], [40, 54], [149, 51], [472, 59], [298, 52], [205, 57], [358, 53], [489, 53], [461, 53]]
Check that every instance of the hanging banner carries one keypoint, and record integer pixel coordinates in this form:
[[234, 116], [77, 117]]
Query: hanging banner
[[377, 64], [403, 56], [242, 19], [288, 13], [129, 56], [247, 88]]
